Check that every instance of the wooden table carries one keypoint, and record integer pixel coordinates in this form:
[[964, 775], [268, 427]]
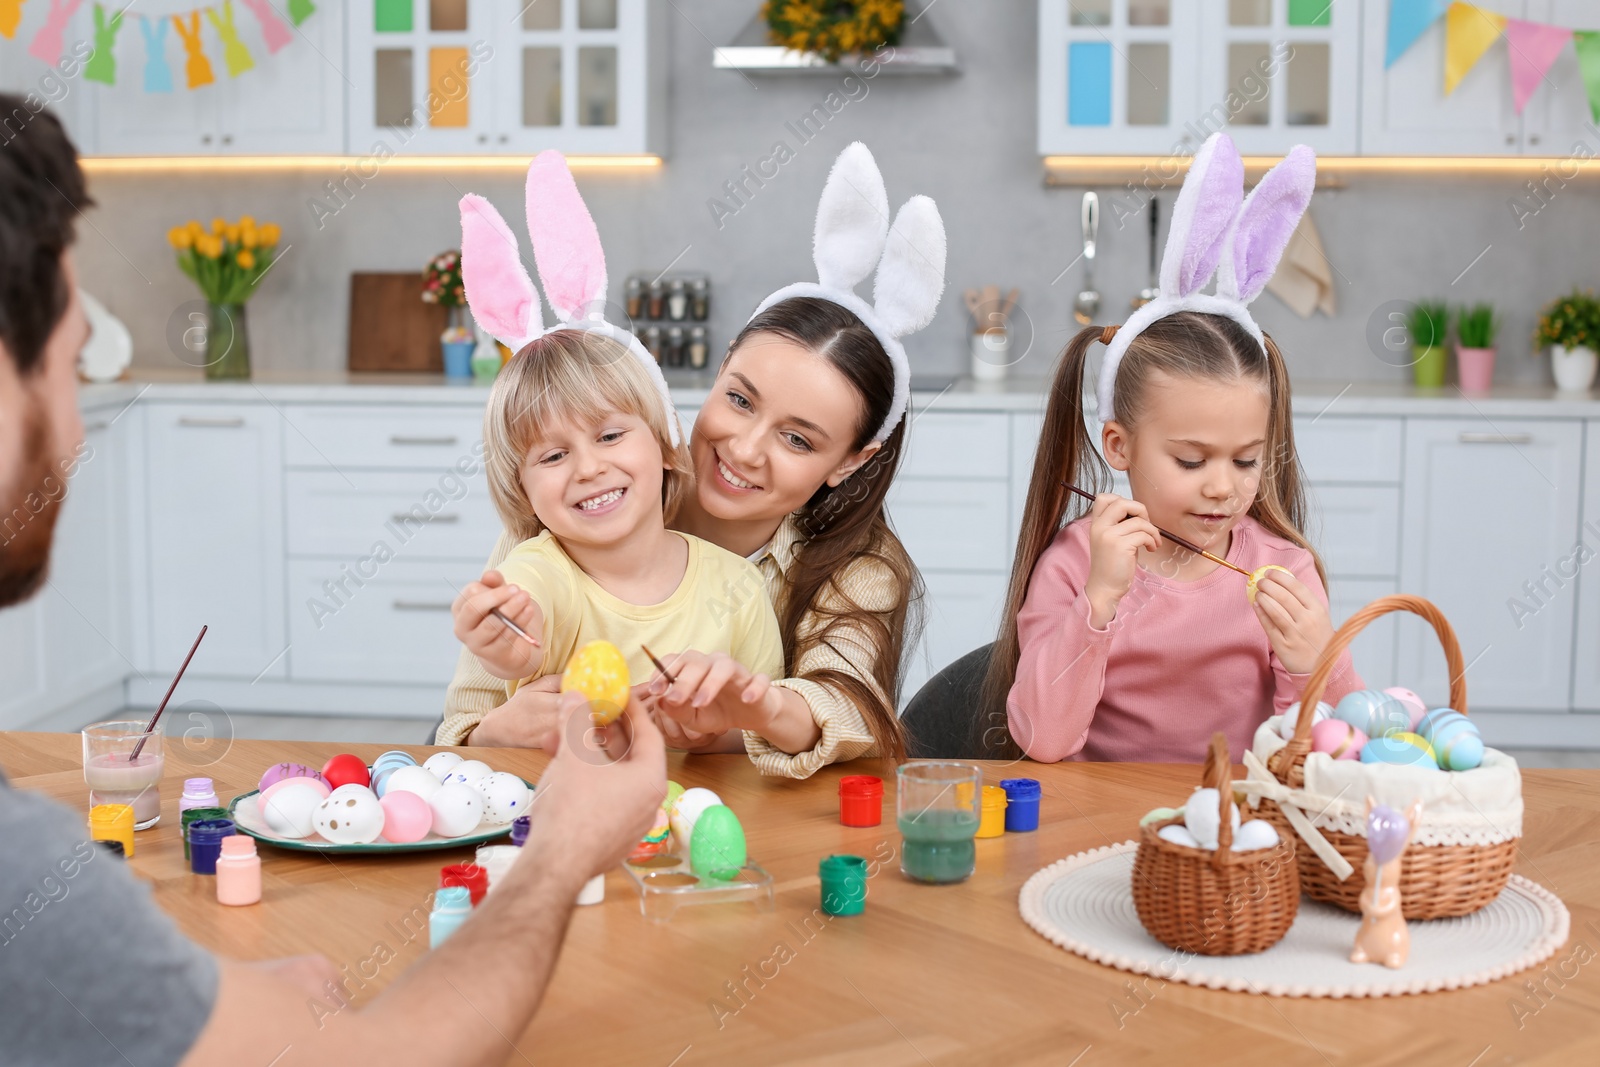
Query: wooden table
[[928, 974]]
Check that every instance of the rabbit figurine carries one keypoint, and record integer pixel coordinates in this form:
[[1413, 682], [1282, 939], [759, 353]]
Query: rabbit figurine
[[1383, 936]]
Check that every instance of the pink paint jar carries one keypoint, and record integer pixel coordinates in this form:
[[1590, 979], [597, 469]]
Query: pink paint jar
[[238, 871]]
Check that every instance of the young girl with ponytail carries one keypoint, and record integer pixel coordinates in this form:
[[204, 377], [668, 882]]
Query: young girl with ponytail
[[1118, 644]]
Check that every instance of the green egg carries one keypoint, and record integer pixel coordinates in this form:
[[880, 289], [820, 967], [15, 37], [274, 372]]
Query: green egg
[[674, 791], [716, 850], [1161, 813]]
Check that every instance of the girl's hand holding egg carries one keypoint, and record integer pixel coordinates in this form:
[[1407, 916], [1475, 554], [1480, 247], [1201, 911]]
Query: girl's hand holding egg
[[1295, 619], [498, 647], [1118, 529]]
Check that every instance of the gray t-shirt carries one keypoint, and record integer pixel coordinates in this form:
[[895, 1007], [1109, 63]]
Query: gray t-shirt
[[91, 971]]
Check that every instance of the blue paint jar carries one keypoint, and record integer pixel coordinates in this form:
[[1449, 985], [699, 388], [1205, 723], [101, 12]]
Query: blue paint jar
[[205, 843], [1022, 804], [451, 907]]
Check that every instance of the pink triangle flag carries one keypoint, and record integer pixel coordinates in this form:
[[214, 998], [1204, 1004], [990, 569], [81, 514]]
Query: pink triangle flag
[[1533, 47]]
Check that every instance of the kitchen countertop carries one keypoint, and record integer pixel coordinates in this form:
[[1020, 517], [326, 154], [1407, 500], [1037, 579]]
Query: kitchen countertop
[[689, 388]]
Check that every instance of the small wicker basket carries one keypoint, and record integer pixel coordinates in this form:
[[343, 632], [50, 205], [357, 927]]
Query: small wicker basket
[[1436, 881], [1215, 902]]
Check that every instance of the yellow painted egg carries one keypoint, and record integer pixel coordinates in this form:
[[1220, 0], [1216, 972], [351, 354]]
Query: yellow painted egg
[[598, 671], [1256, 576]]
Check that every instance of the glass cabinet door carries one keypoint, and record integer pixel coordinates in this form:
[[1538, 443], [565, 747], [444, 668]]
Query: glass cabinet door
[[420, 74]]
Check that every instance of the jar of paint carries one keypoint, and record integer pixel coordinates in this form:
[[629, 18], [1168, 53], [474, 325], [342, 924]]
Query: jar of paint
[[937, 807], [861, 800], [188, 818], [469, 875], [238, 871], [1022, 804], [497, 860], [844, 884], [992, 816], [451, 907], [198, 793], [112, 822], [519, 829], [113, 848], [205, 843]]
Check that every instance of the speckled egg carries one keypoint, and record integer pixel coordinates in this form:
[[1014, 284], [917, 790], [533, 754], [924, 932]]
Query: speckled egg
[[1202, 816], [1412, 703], [685, 811], [505, 796], [1252, 583], [1337, 738], [468, 771], [413, 779], [288, 812], [406, 817], [1405, 749], [718, 850], [442, 763], [351, 815], [1257, 833], [1373, 713], [457, 810], [1291, 716], [599, 671], [280, 771]]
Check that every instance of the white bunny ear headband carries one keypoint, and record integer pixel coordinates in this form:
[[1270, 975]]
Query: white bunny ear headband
[[1214, 233], [572, 269], [852, 236]]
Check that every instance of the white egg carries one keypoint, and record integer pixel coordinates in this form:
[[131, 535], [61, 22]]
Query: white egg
[[288, 813], [1290, 714], [1201, 816], [505, 796], [1257, 833], [467, 771], [351, 815], [1176, 833], [457, 810], [416, 780], [686, 812], [442, 763]]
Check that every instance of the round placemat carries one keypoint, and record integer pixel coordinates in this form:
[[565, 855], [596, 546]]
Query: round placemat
[[1083, 904]]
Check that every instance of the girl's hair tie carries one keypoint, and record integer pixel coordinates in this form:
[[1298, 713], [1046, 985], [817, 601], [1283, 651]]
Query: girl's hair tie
[[1107, 333]]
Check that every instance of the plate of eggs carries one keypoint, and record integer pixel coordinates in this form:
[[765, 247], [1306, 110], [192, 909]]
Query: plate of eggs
[[395, 805]]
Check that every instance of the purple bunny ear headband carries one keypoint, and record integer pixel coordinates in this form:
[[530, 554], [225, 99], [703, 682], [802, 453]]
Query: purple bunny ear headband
[[1214, 233], [572, 269], [852, 236]]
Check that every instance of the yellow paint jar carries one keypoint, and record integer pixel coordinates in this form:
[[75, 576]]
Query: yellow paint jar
[[992, 822], [113, 822]]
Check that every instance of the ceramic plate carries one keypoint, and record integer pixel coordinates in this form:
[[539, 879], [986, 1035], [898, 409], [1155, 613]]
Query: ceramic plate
[[247, 817]]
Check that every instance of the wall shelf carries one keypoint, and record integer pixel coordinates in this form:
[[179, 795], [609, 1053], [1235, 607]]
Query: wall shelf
[[921, 51]]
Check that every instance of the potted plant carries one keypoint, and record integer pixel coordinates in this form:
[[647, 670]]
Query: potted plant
[[442, 285], [1428, 321], [226, 263], [1476, 327], [1570, 326], [834, 28]]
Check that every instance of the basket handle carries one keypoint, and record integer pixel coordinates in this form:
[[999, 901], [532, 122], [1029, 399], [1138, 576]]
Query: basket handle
[[1218, 775], [1300, 744]]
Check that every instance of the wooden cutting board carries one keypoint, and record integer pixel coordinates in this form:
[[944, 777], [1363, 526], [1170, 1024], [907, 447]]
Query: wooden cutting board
[[391, 329]]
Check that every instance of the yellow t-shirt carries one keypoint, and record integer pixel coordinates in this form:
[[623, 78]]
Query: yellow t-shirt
[[720, 606]]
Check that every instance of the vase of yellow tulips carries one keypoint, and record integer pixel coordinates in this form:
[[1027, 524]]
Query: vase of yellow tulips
[[226, 262]]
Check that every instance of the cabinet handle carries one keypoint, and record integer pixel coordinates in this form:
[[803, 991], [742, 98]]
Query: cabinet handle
[[504, 137], [205, 138], [1533, 138], [420, 605], [92, 427], [227, 138], [402, 439], [216, 424], [1496, 438], [483, 138], [1511, 138], [401, 516]]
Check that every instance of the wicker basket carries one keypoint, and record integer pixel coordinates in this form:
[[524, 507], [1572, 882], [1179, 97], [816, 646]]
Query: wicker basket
[[1215, 902], [1436, 881]]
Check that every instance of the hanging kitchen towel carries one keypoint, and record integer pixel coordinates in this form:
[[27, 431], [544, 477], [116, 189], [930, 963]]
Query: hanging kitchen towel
[[1304, 279]]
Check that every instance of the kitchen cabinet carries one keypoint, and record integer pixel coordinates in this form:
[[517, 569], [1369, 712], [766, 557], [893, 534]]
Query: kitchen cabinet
[[1557, 116], [59, 88], [288, 103], [959, 613], [1490, 514], [213, 539], [27, 695], [465, 76], [1586, 657]]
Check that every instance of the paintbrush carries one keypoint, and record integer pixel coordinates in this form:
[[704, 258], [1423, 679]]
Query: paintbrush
[[1174, 538], [163, 705], [662, 667], [519, 631]]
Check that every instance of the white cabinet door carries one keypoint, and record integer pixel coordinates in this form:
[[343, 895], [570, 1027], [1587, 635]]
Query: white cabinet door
[[1557, 116], [1356, 529], [389, 623], [960, 612], [290, 103], [1490, 513], [215, 539], [1373, 651], [1586, 662], [59, 88], [23, 696], [1404, 109], [952, 525], [127, 121]]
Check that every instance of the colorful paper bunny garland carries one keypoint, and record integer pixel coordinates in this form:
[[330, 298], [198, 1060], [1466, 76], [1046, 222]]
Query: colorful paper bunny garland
[[1217, 230], [571, 263], [852, 237]]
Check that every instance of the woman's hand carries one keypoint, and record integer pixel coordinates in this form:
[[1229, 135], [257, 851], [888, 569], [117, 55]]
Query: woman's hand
[[498, 647], [1118, 529], [1295, 619], [713, 694], [526, 720]]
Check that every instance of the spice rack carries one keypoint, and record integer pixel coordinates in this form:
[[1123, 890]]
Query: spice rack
[[669, 313]]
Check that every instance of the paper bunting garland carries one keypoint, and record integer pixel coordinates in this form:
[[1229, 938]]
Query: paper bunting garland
[[49, 42], [1468, 33], [1407, 20], [1533, 47], [1588, 45]]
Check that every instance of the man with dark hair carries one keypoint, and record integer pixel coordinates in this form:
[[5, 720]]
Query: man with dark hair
[[91, 971]]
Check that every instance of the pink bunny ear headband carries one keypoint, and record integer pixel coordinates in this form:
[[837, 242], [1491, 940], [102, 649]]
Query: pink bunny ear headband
[[852, 236], [572, 269], [1213, 233]]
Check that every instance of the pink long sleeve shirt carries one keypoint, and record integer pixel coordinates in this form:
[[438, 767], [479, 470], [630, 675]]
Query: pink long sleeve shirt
[[1179, 661]]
